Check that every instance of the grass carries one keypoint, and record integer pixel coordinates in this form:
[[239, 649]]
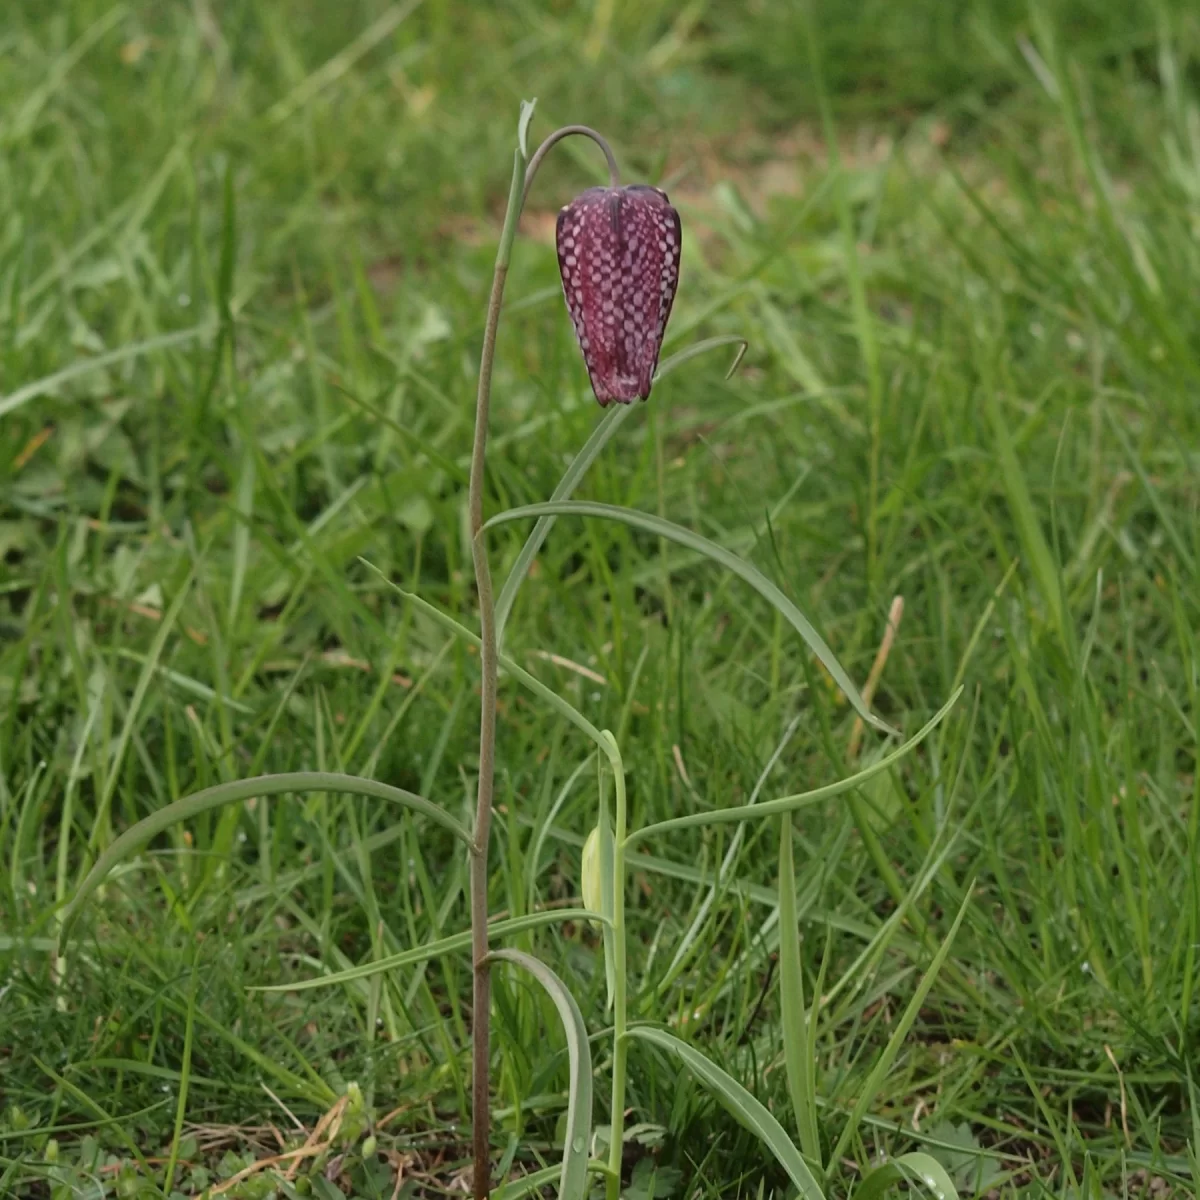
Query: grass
[[244, 257]]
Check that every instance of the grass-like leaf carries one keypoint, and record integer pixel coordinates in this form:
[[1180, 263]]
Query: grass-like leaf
[[604, 432], [522, 676], [188, 807], [514, 1189], [572, 1184], [741, 1104], [787, 804], [649, 523], [917, 1167], [883, 1063], [447, 945], [606, 427], [793, 1017], [99, 362], [1025, 515]]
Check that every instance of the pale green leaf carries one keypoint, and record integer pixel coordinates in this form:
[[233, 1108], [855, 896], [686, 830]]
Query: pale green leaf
[[785, 804], [741, 1105], [572, 1183], [243, 789], [453, 944], [650, 523], [908, 1168]]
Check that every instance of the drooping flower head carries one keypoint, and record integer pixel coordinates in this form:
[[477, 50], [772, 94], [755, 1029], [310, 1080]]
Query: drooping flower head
[[618, 254]]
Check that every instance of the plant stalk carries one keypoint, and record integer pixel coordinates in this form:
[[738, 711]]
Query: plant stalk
[[523, 173], [620, 1017], [481, 970]]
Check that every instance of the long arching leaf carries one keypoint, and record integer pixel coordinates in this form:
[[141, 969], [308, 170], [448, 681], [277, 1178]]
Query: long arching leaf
[[581, 464], [447, 945], [243, 789], [742, 1105], [649, 523], [572, 1183], [918, 1167], [785, 804]]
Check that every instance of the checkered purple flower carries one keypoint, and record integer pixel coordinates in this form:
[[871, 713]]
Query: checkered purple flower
[[618, 253]]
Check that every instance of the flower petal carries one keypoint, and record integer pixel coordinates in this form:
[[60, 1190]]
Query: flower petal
[[618, 254]]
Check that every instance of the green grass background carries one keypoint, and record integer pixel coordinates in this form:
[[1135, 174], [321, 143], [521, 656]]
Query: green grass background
[[989, 407]]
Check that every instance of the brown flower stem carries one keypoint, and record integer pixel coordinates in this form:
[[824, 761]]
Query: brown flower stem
[[522, 177]]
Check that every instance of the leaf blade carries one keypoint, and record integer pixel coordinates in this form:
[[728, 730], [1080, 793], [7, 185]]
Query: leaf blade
[[742, 1106], [573, 1177], [649, 523], [793, 1017], [922, 1166], [786, 804], [884, 1061], [244, 789], [447, 945]]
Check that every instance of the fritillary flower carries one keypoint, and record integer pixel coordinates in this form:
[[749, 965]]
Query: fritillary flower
[[618, 254]]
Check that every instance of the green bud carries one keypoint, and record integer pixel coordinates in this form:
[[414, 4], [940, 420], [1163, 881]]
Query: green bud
[[590, 872]]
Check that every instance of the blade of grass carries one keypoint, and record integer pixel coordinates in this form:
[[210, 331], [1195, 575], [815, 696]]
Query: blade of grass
[[793, 1017], [185, 1074], [101, 820], [883, 1062], [1029, 529], [581, 464], [522, 676], [40, 387]]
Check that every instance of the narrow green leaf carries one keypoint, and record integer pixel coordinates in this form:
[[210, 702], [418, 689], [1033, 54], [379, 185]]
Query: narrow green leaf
[[676, 360], [572, 1183], [185, 1073], [244, 508], [1020, 503], [787, 804], [603, 433], [447, 945], [522, 676], [650, 523], [741, 1105], [908, 1168], [527, 107], [86, 366], [426, 447], [723, 881], [793, 1015], [883, 1063], [101, 823], [243, 789], [1160, 509], [514, 1189]]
